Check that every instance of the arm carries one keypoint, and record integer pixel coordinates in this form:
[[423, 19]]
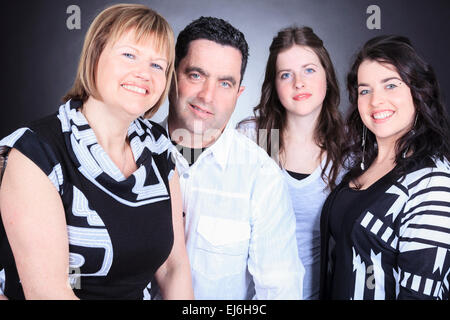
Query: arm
[[273, 259], [174, 276], [34, 221], [424, 241]]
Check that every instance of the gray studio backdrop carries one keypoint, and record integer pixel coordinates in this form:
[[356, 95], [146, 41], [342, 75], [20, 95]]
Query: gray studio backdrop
[[42, 42]]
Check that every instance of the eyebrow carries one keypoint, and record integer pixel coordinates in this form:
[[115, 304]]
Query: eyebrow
[[228, 78], [389, 79], [310, 63], [196, 69], [382, 81], [206, 74], [305, 65]]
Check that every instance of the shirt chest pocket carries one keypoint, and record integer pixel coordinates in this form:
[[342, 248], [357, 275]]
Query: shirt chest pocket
[[221, 247]]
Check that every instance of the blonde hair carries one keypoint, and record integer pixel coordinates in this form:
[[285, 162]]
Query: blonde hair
[[109, 25]]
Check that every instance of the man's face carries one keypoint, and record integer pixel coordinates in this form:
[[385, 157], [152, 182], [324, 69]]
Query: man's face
[[208, 88]]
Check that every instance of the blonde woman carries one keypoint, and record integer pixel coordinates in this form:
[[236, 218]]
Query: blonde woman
[[89, 195]]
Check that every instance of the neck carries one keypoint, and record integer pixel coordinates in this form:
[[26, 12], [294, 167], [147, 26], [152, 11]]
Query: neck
[[109, 127], [300, 129], [300, 151], [386, 151]]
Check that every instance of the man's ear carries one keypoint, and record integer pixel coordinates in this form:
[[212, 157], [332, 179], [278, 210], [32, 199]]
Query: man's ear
[[241, 89]]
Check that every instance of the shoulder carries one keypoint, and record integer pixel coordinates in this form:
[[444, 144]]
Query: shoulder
[[432, 178], [247, 127], [247, 123], [151, 135], [153, 128], [248, 154], [46, 126], [32, 147], [42, 142], [242, 143], [34, 130], [35, 139], [154, 135]]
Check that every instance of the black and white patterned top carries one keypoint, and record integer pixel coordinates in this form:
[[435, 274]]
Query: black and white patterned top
[[119, 229], [390, 241]]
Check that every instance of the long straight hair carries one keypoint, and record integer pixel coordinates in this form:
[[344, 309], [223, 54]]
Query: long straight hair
[[271, 115]]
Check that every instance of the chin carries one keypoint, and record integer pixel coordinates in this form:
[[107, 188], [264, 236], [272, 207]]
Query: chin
[[388, 135], [303, 111], [136, 110]]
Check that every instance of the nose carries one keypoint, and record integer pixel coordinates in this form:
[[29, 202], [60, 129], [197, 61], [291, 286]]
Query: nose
[[377, 98], [207, 92], [142, 71], [299, 83]]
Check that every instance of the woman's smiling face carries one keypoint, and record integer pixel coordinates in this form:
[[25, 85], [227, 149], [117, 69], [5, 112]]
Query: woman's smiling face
[[131, 75], [385, 103]]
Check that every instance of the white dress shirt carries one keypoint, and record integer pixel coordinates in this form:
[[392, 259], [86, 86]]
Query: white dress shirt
[[239, 223]]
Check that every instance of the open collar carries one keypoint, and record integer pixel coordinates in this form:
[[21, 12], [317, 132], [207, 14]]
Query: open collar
[[219, 150]]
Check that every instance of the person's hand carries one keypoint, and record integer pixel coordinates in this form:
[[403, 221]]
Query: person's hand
[[2, 297]]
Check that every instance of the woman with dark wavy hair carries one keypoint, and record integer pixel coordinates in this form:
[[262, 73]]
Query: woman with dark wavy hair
[[386, 227], [298, 123]]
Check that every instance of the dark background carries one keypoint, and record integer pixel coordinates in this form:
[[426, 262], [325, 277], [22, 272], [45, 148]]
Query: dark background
[[40, 54]]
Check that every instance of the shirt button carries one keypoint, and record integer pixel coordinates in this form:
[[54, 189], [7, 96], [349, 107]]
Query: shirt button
[[185, 175]]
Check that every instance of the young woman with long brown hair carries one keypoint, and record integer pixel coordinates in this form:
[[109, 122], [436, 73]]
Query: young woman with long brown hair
[[298, 122]]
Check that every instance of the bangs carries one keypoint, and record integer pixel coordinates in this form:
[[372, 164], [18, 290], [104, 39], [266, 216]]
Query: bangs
[[147, 28]]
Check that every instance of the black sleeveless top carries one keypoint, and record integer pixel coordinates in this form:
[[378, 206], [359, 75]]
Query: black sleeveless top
[[119, 229]]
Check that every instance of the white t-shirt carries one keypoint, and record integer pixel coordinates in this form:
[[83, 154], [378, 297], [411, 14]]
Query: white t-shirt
[[308, 196]]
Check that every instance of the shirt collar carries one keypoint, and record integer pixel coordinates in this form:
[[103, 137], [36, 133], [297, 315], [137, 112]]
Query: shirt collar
[[219, 149]]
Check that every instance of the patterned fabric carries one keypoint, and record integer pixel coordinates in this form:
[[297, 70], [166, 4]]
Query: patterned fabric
[[2, 281], [399, 244], [119, 229]]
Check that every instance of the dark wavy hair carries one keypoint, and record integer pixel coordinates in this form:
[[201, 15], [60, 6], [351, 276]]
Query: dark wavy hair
[[213, 29], [270, 113], [430, 135]]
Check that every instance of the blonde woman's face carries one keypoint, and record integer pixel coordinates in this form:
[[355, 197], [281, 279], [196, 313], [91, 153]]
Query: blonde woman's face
[[300, 81], [131, 75]]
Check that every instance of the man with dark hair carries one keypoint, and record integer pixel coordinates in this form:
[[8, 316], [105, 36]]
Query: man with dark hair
[[240, 227], [213, 29]]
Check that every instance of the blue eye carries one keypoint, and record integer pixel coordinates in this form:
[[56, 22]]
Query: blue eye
[[225, 84], [285, 75], [194, 76], [310, 70], [364, 92], [156, 66], [391, 86], [129, 55]]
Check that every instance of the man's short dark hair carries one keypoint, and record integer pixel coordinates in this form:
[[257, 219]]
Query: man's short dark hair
[[213, 29]]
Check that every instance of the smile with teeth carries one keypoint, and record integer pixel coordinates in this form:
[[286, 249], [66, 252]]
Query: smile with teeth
[[134, 88], [382, 115]]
